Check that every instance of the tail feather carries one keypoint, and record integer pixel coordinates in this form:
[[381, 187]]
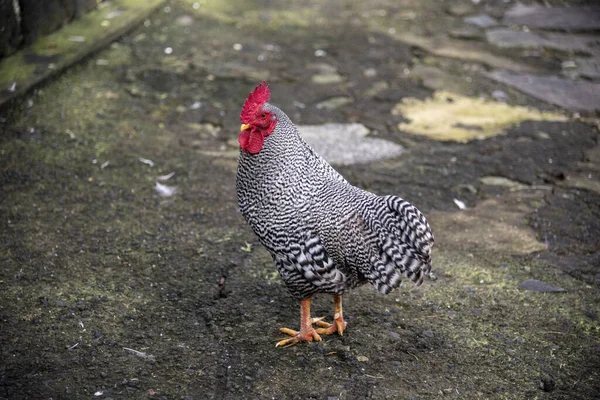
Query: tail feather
[[405, 240], [409, 224]]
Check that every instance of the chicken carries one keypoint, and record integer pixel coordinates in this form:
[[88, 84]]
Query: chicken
[[325, 235]]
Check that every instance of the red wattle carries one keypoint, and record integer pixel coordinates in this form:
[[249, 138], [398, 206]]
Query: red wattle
[[244, 138], [251, 141], [255, 143]]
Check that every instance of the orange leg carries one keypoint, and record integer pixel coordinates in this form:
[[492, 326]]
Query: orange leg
[[338, 319], [307, 332]]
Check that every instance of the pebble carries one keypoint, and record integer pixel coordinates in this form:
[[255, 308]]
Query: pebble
[[394, 335], [334, 102], [460, 9], [483, 21], [376, 88], [466, 32], [370, 72], [543, 135], [326, 79], [499, 95], [501, 181], [569, 64], [184, 20]]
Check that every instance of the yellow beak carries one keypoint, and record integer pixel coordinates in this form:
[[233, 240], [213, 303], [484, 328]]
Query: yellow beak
[[244, 127]]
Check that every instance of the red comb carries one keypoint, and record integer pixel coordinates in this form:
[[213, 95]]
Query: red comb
[[254, 102]]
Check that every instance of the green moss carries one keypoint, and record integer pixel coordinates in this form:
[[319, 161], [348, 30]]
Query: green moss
[[71, 43], [15, 70], [448, 116], [245, 15]]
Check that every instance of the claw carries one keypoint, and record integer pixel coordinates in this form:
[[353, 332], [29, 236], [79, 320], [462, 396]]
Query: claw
[[290, 332], [323, 324], [338, 326]]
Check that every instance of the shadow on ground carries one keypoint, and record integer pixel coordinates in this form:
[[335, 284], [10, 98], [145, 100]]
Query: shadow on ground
[[109, 289]]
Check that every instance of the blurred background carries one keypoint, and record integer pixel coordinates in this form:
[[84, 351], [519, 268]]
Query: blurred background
[[126, 270]]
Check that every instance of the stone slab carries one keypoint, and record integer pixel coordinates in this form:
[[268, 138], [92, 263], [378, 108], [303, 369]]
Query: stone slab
[[509, 38], [582, 18], [588, 67], [470, 51], [565, 93], [347, 144]]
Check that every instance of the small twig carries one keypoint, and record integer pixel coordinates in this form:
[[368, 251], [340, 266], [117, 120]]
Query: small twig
[[375, 377], [139, 353]]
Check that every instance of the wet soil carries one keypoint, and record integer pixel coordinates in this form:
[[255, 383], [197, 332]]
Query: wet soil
[[109, 290]]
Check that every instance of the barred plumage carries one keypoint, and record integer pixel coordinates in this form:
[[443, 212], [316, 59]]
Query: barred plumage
[[324, 234]]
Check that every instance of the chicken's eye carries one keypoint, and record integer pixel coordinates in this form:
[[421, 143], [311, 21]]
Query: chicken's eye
[[263, 116]]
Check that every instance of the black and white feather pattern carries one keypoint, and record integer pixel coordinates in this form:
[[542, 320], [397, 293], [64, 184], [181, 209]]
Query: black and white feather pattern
[[324, 234]]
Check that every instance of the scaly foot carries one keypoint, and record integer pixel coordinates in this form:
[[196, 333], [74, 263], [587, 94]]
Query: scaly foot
[[307, 335], [338, 319], [327, 329]]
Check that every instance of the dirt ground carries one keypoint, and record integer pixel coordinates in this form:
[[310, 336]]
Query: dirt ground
[[109, 290]]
